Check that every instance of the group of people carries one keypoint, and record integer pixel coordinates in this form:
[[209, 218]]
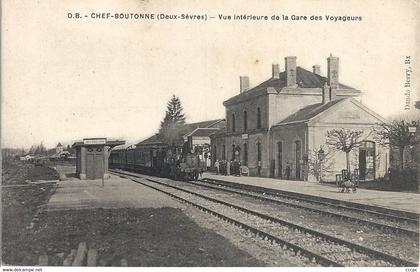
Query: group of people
[[228, 168]]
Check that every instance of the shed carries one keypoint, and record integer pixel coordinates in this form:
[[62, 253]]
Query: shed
[[92, 157]]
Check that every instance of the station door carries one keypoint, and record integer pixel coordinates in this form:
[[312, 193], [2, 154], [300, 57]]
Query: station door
[[94, 163], [367, 161]]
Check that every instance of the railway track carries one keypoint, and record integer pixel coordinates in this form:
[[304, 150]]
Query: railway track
[[318, 247], [395, 225], [361, 209]]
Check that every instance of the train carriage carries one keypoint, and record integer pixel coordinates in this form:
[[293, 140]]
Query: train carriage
[[173, 162]]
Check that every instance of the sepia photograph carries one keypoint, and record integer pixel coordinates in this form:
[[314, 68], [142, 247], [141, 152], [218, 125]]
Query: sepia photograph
[[140, 134]]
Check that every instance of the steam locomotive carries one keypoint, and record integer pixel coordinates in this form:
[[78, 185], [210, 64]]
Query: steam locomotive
[[180, 163]]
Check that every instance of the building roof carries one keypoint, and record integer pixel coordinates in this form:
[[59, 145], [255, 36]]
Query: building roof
[[154, 139], [107, 143], [203, 132], [309, 112], [184, 130], [59, 144], [304, 79], [203, 124]]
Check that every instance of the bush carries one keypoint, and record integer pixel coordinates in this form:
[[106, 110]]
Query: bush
[[404, 179]]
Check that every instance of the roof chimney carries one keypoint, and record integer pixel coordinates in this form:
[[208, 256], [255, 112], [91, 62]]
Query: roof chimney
[[316, 69], [290, 65], [333, 71], [243, 83], [275, 71]]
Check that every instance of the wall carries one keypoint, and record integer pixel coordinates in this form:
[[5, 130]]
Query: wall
[[284, 105], [251, 107], [288, 135], [318, 139], [216, 143], [251, 141]]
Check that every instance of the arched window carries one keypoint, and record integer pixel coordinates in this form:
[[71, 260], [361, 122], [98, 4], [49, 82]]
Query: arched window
[[258, 152], [233, 123], [245, 120], [258, 118], [224, 153]]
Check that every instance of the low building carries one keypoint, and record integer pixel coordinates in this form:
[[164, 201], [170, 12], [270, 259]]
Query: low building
[[92, 157], [276, 127], [26, 157], [199, 134]]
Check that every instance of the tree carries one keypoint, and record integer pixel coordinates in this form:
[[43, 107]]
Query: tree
[[32, 150], [396, 133], [171, 125], [344, 140], [318, 168]]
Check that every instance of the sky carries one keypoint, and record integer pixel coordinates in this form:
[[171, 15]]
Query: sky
[[68, 79]]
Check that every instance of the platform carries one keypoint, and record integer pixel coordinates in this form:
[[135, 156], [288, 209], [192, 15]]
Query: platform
[[393, 201], [117, 192]]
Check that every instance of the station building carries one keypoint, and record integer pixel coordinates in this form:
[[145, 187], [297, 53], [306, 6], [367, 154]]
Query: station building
[[276, 127]]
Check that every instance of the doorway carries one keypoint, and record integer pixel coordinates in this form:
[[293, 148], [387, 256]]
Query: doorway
[[367, 161], [94, 163], [280, 159], [298, 159]]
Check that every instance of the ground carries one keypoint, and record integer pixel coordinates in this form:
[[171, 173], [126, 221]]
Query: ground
[[145, 235], [20, 201]]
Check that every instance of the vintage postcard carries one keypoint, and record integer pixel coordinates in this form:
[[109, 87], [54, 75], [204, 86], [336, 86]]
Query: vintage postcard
[[202, 134]]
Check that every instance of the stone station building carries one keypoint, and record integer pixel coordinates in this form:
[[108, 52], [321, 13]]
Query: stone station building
[[275, 127]]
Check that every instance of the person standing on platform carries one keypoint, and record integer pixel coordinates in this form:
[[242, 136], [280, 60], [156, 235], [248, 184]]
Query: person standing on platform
[[228, 168], [216, 164]]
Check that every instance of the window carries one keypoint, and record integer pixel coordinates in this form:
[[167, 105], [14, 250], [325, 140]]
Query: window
[[245, 120], [258, 118], [233, 123], [224, 153], [245, 154]]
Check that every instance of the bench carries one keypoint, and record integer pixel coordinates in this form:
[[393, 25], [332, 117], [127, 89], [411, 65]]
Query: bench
[[347, 183]]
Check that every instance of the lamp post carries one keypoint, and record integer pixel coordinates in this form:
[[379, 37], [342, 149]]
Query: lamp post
[[412, 128], [321, 157]]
